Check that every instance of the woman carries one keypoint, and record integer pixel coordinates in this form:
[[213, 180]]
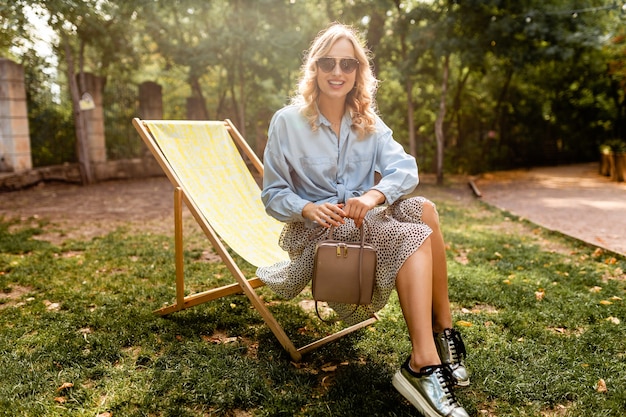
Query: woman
[[322, 155]]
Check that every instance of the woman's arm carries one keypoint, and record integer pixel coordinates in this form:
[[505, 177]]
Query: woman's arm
[[357, 207]]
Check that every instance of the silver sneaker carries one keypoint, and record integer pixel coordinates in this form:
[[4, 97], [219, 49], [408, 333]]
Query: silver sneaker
[[451, 351], [430, 390]]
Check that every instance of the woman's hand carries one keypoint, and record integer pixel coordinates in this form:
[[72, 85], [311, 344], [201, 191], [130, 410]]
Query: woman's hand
[[357, 207], [325, 215]]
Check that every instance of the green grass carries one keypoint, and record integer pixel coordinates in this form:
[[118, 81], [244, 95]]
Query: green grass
[[543, 317]]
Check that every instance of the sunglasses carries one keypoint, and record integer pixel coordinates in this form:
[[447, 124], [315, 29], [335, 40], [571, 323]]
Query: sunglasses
[[347, 65]]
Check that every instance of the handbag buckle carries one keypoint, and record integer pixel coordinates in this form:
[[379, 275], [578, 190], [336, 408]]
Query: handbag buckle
[[342, 249]]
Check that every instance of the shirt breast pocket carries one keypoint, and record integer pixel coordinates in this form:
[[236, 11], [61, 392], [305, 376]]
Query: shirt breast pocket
[[320, 169], [360, 165]]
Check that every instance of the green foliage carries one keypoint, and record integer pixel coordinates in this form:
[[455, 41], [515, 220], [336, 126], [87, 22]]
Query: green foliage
[[50, 119], [12, 27], [541, 314], [531, 82], [120, 106]]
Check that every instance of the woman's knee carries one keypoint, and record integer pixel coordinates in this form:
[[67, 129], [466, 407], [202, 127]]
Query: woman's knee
[[430, 216]]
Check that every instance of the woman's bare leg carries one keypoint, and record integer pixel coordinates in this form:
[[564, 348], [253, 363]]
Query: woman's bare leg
[[442, 317], [414, 284]]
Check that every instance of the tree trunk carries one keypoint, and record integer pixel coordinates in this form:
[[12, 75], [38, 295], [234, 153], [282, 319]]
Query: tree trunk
[[457, 107], [410, 109], [375, 32], [196, 91], [505, 88], [82, 146], [242, 103], [440, 117]]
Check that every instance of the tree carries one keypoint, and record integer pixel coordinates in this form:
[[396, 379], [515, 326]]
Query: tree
[[83, 30], [13, 26], [616, 69]]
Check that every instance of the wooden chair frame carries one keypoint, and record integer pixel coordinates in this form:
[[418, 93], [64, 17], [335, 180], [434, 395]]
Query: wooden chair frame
[[243, 284]]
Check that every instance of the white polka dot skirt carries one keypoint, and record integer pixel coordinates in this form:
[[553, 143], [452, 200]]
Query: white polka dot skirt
[[396, 232]]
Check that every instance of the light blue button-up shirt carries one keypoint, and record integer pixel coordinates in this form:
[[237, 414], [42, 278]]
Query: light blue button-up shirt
[[302, 166]]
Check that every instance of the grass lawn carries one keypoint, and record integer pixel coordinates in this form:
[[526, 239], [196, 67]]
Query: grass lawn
[[543, 317]]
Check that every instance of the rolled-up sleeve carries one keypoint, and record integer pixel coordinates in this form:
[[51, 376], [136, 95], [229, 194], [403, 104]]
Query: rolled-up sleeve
[[280, 201], [397, 168]]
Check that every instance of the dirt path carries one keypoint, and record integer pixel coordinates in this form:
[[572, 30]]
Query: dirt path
[[574, 200], [77, 212]]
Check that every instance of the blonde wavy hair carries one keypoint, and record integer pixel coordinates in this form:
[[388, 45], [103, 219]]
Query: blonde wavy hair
[[360, 100]]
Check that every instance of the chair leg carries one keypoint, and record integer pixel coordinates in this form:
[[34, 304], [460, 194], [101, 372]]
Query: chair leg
[[178, 246], [178, 256], [321, 342]]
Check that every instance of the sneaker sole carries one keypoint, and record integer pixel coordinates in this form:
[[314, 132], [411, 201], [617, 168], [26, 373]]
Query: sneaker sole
[[463, 383], [405, 388]]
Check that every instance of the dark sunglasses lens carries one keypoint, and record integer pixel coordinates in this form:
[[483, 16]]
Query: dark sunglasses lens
[[326, 64], [348, 65]]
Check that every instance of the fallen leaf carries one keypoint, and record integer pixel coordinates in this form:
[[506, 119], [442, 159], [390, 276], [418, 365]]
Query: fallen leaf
[[50, 306], [105, 414], [219, 339], [616, 298], [60, 400], [595, 289], [601, 386], [65, 385], [539, 295], [329, 368], [613, 320], [464, 323], [606, 302]]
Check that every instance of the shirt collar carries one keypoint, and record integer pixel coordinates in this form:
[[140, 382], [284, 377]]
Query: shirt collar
[[322, 120]]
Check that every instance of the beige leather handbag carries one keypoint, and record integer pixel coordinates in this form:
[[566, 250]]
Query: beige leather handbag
[[344, 272]]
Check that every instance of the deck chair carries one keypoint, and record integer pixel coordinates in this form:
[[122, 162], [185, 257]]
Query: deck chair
[[204, 162]]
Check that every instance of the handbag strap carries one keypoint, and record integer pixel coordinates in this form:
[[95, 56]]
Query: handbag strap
[[345, 316], [332, 228], [361, 250]]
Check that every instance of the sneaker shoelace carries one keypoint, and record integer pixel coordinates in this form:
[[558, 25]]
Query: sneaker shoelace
[[456, 345], [445, 377]]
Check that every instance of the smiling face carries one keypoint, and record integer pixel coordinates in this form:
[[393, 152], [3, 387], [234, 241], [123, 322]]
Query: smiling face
[[335, 85]]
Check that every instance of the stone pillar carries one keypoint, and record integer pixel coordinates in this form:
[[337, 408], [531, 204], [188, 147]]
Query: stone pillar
[[94, 117], [150, 101], [15, 153]]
